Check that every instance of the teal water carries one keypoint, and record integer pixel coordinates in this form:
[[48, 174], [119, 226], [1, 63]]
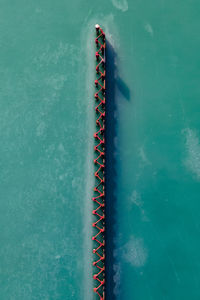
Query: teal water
[[43, 152], [46, 171]]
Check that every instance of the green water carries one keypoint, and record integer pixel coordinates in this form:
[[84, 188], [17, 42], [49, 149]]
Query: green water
[[46, 170]]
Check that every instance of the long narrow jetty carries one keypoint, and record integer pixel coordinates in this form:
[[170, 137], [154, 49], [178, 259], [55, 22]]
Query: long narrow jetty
[[99, 161]]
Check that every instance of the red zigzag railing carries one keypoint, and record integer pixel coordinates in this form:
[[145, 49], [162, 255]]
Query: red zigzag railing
[[99, 161]]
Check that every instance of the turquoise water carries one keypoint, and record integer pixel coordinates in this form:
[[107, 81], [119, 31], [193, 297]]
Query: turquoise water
[[43, 152], [46, 170]]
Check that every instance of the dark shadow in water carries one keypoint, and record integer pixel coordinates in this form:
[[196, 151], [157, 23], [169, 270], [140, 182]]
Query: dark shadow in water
[[114, 84]]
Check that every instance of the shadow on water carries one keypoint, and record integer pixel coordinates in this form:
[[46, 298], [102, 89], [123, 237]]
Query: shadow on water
[[113, 84]]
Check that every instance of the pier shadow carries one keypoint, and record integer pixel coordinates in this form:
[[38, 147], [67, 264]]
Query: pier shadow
[[114, 86]]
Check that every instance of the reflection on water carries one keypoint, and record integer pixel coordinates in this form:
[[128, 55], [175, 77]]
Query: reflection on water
[[113, 83]]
